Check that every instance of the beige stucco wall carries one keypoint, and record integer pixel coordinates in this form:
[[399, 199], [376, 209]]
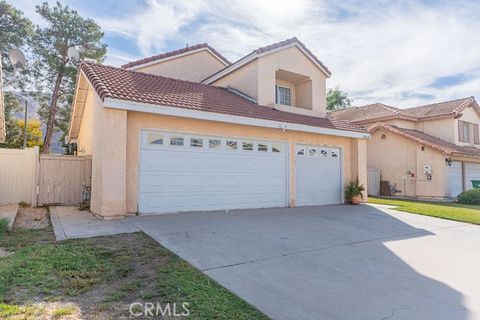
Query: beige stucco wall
[[471, 116], [292, 60], [396, 155], [244, 79], [193, 67], [440, 128], [103, 136], [258, 78], [137, 121]]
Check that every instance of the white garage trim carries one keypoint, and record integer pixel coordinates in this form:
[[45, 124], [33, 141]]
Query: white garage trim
[[213, 116], [212, 172]]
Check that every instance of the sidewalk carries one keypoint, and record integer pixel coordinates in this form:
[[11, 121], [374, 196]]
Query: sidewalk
[[69, 223]]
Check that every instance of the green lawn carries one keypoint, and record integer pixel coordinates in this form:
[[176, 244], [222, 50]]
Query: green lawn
[[451, 211], [99, 278]]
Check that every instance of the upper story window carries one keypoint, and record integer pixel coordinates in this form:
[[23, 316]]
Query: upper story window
[[283, 95], [463, 131]]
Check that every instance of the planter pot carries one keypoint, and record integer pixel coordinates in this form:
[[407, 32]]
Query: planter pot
[[356, 200]]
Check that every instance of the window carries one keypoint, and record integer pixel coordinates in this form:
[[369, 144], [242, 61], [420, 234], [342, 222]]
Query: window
[[231, 145], [214, 143], [283, 96], [312, 152], [176, 141], [262, 147], [155, 138], [301, 152], [476, 136], [276, 148], [334, 154], [324, 153], [463, 131], [196, 142], [247, 146]]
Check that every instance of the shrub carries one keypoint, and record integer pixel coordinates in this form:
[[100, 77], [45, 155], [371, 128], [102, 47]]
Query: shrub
[[354, 188], [3, 226], [471, 196]]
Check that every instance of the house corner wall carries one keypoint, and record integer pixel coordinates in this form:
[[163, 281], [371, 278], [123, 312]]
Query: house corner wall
[[108, 199], [359, 163]]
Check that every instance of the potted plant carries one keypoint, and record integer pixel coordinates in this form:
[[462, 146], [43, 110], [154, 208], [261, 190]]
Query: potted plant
[[353, 192]]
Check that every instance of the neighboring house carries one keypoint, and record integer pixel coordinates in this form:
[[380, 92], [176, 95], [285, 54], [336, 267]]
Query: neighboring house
[[251, 134], [428, 151], [2, 107]]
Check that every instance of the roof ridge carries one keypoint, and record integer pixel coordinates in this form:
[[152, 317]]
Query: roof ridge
[[434, 103], [174, 53]]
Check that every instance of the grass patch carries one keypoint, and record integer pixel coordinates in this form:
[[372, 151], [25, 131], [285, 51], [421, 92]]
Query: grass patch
[[3, 226], [63, 311], [102, 276], [450, 211], [178, 281]]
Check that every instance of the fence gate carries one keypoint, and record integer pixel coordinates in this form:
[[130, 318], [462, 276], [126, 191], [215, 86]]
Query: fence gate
[[61, 178]]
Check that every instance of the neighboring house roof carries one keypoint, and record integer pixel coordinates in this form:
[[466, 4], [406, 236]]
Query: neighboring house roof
[[292, 42], [122, 84], [197, 47], [2, 107], [441, 108], [380, 111], [428, 140], [372, 111]]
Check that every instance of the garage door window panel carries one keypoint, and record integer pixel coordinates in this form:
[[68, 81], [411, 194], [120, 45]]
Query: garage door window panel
[[247, 146], [196, 142], [177, 141], [155, 138]]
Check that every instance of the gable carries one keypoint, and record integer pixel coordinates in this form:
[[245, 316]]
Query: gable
[[470, 114], [193, 66]]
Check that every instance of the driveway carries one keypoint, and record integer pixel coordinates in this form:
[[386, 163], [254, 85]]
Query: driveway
[[332, 262]]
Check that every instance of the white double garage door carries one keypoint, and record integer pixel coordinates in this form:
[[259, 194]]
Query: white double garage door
[[185, 172]]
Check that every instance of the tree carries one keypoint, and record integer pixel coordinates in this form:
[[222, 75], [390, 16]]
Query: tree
[[65, 28], [337, 99], [15, 32], [15, 127], [34, 133]]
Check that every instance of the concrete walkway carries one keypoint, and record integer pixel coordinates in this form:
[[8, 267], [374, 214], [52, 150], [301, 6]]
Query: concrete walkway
[[9, 212], [69, 222]]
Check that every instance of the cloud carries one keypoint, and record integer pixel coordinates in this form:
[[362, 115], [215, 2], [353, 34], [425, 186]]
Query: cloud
[[378, 50]]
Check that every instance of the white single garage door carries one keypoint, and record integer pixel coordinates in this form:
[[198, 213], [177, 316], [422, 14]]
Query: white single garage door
[[185, 172], [456, 181], [472, 172], [318, 175]]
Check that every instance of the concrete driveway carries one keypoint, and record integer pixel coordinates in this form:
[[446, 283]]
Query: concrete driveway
[[332, 262]]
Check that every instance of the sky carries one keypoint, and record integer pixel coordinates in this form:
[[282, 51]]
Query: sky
[[401, 53]]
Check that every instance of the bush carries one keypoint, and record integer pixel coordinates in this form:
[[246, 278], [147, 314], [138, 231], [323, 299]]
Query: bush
[[471, 196], [3, 226]]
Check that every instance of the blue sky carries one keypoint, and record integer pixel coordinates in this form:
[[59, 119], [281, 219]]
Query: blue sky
[[402, 53]]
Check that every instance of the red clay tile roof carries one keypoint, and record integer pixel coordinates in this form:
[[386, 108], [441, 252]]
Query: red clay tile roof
[[440, 108], [174, 53], [371, 111], [378, 111], [117, 83], [428, 140]]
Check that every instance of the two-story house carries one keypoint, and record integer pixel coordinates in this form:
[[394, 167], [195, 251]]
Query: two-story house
[[430, 151], [187, 130]]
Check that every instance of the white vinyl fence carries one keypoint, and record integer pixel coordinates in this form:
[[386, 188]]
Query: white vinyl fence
[[42, 179], [18, 172]]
